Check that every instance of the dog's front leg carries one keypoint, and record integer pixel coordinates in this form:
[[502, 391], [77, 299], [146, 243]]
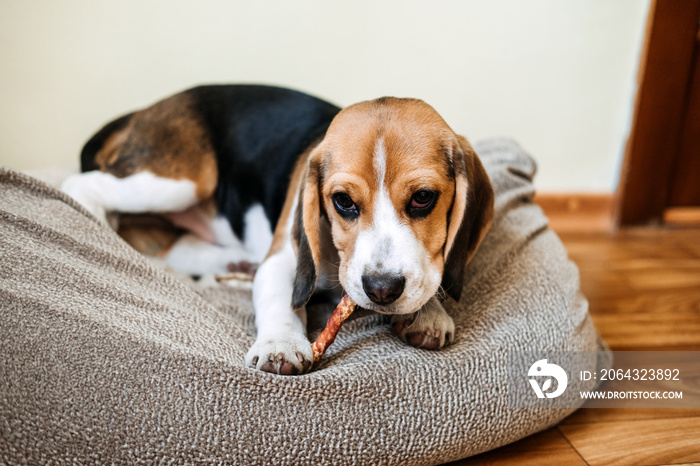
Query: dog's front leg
[[281, 346]]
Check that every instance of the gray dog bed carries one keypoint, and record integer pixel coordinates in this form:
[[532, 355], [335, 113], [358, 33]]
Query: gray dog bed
[[106, 357]]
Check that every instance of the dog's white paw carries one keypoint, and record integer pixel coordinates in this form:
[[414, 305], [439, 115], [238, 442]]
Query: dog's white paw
[[430, 327], [288, 354]]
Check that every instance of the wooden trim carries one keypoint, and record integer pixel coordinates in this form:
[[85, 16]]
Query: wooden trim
[[577, 212], [682, 216], [652, 146]]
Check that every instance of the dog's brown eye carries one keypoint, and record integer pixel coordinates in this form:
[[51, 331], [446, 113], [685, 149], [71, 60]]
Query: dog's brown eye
[[422, 203], [345, 206], [421, 199]]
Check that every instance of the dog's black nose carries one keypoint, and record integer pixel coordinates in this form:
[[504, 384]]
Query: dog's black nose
[[383, 289]]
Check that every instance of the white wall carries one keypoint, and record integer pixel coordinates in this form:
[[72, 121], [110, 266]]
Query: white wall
[[557, 75]]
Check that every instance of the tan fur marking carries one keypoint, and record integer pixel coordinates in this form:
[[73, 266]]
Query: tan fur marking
[[167, 139]]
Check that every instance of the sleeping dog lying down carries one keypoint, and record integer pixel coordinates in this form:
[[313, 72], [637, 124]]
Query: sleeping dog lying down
[[381, 196]]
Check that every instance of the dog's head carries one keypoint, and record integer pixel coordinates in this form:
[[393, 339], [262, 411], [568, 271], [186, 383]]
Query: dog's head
[[407, 200]]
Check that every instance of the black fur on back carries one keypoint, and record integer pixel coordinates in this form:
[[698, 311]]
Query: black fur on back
[[258, 133]]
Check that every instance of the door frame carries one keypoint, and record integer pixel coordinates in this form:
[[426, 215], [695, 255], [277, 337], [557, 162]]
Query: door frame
[[663, 85]]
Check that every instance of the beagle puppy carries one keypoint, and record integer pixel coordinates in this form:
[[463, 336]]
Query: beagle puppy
[[381, 200]]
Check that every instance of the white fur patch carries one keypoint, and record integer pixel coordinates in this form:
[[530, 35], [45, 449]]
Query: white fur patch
[[257, 236], [192, 255], [223, 233], [143, 192], [380, 162]]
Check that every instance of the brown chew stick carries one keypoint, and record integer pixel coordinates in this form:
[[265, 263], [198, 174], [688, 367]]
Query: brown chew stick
[[327, 337]]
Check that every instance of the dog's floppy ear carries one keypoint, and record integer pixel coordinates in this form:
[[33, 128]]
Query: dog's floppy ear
[[307, 231], [114, 131], [470, 216]]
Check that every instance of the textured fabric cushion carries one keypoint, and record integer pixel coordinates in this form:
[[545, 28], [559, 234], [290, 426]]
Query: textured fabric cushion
[[104, 356]]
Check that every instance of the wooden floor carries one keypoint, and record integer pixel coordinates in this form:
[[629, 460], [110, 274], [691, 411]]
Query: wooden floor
[[643, 286]]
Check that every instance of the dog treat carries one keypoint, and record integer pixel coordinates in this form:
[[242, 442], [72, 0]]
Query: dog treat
[[327, 337]]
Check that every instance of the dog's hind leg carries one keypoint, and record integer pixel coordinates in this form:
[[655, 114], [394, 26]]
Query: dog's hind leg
[[142, 192], [194, 256]]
